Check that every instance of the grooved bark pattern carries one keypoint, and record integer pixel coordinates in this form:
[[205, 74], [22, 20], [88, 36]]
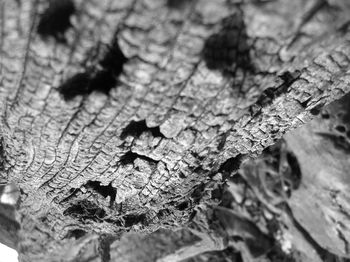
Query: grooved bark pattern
[[55, 148]]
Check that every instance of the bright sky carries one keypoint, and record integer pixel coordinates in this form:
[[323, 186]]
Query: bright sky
[[7, 254]]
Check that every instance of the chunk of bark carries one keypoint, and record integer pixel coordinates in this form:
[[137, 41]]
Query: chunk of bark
[[54, 146]]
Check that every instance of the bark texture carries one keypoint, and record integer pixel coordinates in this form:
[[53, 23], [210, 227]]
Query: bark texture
[[126, 115]]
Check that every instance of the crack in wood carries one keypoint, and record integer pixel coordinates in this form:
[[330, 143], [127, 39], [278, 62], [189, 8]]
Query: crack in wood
[[104, 191], [136, 128]]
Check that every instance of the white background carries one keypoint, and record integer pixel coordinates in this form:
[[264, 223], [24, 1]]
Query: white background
[[7, 254]]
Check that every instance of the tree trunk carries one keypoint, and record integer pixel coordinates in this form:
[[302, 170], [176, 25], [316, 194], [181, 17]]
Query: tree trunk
[[123, 116]]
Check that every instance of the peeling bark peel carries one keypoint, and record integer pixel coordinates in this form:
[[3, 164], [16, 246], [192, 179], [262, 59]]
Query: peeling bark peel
[[54, 147]]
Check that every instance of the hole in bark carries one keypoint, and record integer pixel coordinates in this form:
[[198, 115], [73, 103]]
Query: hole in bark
[[85, 210], [56, 19], [103, 81], [96, 79], [304, 104], [43, 219], [102, 190], [289, 78], [76, 85], [182, 206], [228, 49], [130, 220], [3, 178], [84, 83], [130, 157], [222, 141], [197, 192], [340, 128], [73, 190], [181, 175], [272, 92], [266, 97], [316, 110], [217, 193], [114, 59], [136, 128], [231, 165], [76, 233], [112, 63]]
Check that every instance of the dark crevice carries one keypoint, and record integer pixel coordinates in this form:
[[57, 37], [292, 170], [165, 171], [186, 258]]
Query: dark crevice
[[3, 179], [104, 191], [114, 59], [85, 210], [272, 93], [217, 193], [196, 195], [75, 233], [55, 20], [231, 165], [130, 157], [183, 206], [222, 141], [102, 81], [163, 213], [316, 109], [131, 220], [136, 128], [76, 85], [305, 103], [101, 78]]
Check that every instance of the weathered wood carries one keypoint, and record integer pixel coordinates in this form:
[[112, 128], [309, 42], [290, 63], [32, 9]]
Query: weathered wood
[[77, 160]]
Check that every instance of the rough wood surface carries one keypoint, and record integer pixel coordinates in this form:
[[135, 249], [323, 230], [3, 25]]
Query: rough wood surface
[[310, 217], [138, 142]]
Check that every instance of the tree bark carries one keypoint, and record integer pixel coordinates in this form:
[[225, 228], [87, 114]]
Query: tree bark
[[195, 88]]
